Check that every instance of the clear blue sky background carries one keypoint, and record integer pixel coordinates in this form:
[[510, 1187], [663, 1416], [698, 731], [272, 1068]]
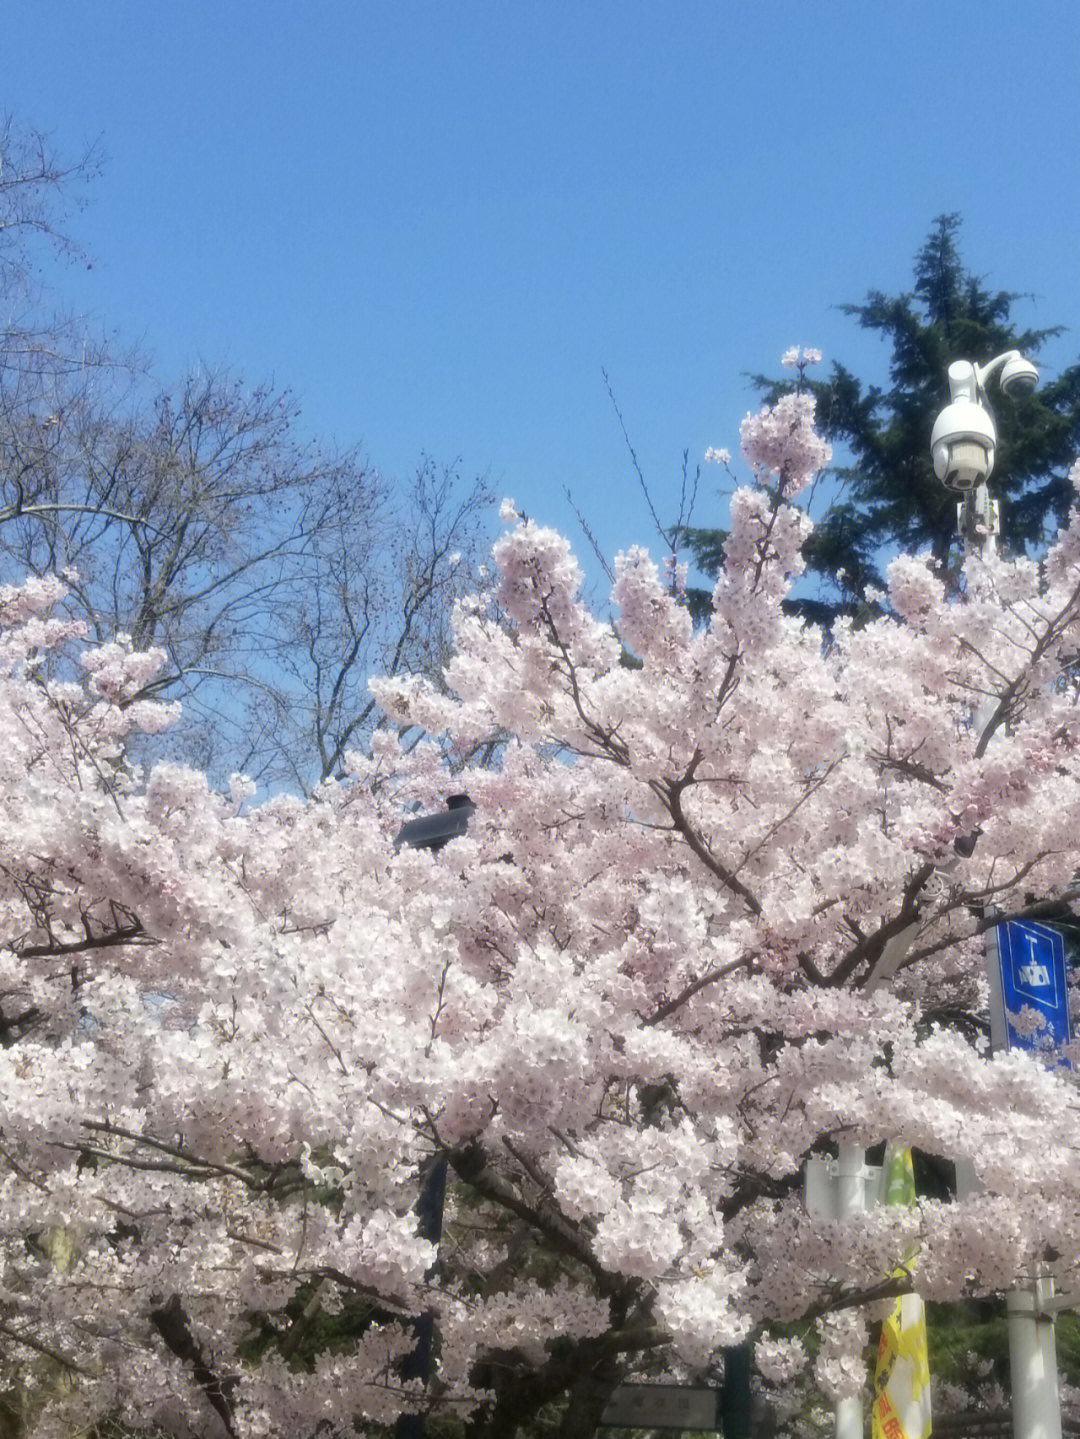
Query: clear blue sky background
[[438, 222]]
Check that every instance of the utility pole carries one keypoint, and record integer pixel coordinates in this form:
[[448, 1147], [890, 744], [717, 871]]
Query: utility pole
[[1036, 1405], [430, 831], [963, 445]]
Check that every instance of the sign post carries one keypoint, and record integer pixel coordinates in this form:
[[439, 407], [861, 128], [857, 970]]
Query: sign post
[[662, 1406], [1025, 964], [1026, 970]]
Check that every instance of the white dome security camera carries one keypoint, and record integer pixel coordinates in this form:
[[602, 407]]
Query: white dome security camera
[[1018, 376], [963, 443], [964, 437]]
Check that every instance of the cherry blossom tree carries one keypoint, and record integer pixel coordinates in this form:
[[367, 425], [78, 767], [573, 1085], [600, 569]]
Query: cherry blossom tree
[[715, 911]]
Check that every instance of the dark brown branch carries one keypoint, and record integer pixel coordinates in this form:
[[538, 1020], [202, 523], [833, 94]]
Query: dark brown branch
[[128, 934], [185, 1162], [17, 1336], [671, 794], [521, 1393], [471, 1166], [869, 949], [173, 1325], [911, 769], [695, 987], [891, 1288]]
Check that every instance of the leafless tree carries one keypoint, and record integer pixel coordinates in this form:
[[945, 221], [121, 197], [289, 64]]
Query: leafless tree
[[276, 574], [39, 191], [382, 607]]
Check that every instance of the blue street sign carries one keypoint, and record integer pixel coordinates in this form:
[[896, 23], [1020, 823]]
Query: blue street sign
[[1031, 975]]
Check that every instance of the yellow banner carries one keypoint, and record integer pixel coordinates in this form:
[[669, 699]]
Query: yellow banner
[[902, 1377]]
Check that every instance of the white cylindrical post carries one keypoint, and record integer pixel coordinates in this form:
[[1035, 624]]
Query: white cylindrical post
[[1033, 1363], [849, 1418], [850, 1200], [850, 1181]]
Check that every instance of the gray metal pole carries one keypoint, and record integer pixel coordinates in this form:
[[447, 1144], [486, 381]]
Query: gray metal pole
[[850, 1200], [1032, 1350], [1036, 1407]]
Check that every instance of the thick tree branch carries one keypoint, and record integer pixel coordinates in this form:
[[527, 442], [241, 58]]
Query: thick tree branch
[[174, 1327]]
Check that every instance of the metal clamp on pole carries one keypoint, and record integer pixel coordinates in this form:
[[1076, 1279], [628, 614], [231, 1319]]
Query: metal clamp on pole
[[838, 1188]]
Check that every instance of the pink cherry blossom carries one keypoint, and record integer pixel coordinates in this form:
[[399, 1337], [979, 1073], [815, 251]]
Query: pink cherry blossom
[[780, 440], [623, 1008]]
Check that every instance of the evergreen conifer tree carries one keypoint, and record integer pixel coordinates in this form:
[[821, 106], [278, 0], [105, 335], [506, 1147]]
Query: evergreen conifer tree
[[889, 495]]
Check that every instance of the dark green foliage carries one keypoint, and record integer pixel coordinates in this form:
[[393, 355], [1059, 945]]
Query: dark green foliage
[[969, 1348], [948, 316], [889, 496]]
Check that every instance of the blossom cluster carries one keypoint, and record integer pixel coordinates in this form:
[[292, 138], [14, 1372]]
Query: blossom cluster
[[795, 358], [781, 440], [240, 1037]]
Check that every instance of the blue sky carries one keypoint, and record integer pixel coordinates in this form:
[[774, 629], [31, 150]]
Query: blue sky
[[439, 222]]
